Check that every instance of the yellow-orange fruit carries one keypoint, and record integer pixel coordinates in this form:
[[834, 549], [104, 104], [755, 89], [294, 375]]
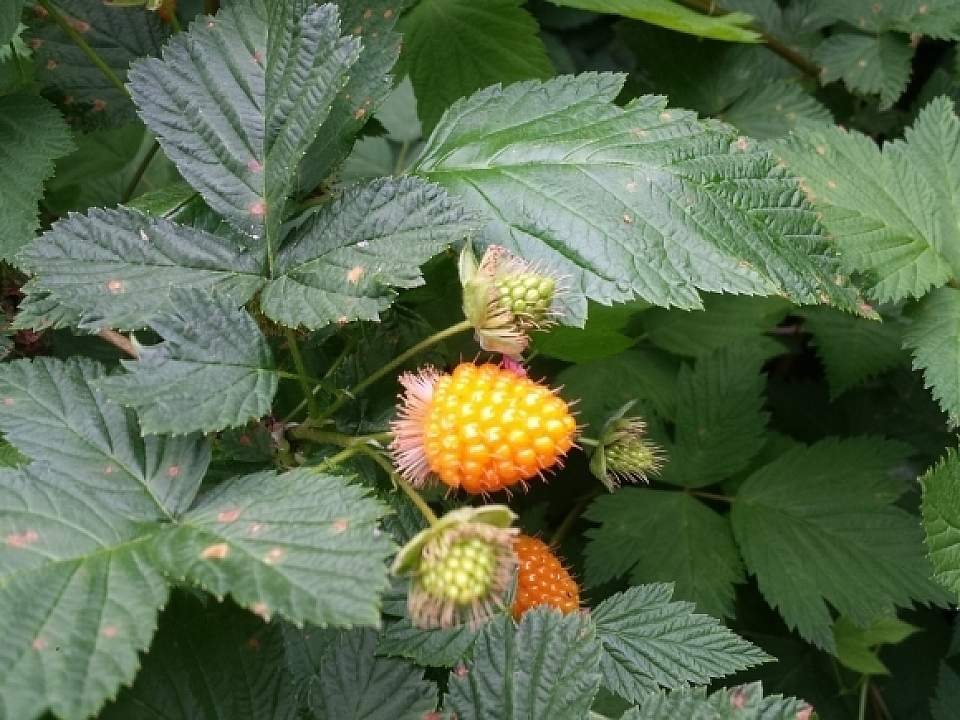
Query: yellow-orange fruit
[[487, 428], [542, 579]]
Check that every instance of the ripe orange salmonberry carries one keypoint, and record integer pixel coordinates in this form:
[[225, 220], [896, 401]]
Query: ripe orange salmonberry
[[482, 428], [542, 579]]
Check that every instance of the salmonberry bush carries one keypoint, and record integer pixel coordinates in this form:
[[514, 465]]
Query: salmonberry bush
[[479, 359]]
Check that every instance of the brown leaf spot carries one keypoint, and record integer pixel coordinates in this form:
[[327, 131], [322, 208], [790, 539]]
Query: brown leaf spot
[[255, 529], [211, 23], [665, 116], [273, 556], [738, 698], [922, 10], [36, 43], [354, 274], [639, 132], [367, 14], [258, 208], [876, 7], [253, 643], [628, 218], [340, 525], [228, 516], [805, 713], [52, 64], [261, 609], [81, 26], [742, 143], [8, 401], [245, 440], [257, 57], [359, 113], [631, 186], [821, 150], [387, 14], [21, 540], [461, 670], [217, 551], [109, 631], [342, 320], [40, 12], [254, 165], [173, 471], [115, 286], [832, 184], [108, 470], [39, 644], [99, 105], [861, 63]]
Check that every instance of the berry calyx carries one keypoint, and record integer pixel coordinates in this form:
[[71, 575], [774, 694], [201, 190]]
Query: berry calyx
[[481, 428], [624, 453], [542, 579]]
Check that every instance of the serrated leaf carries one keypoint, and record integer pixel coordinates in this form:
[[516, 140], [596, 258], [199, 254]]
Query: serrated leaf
[[867, 64], [475, 44], [10, 20], [118, 35], [725, 320], [50, 411], [76, 576], [213, 370], [941, 519], [936, 18], [210, 663], [774, 110], [116, 268], [301, 545], [745, 702], [639, 201], [853, 349], [369, 84], [256, 83], [881, 209], [603, 386], [354, 684], [603, 335], [346, 261], [544, 669], [650, 641], [32, 135], [934, 339], [819, 525], [664, 536], [732, 27], [857, 648], [720, 421]]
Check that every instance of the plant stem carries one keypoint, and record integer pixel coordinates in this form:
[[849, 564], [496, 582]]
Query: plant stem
[[141, 170], [864, 693], [119, 341], [589, 442], [392, 365], [566, 525], [401, 157], [175, 22], [336, 459], [400, 482], [83, 45], [330, 370], [709, 7], [326, 437], [313, 409]]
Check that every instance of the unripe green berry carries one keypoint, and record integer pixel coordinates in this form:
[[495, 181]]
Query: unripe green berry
[[463, 574], [527, 294]]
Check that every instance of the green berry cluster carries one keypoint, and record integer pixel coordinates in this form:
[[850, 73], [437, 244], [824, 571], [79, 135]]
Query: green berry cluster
[[526, 294], [462, 574]]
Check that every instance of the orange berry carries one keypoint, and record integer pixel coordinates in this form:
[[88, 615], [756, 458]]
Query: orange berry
[[167, 10], [542, 579], [497, 428]]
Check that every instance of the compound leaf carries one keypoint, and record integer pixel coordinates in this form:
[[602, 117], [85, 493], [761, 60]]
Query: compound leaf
[[346, 261], [116, 268], [836, 536], [213, 370], [664, 536], [544, 669], [301, 545], [649, 641], [32, 135], [639, 201]]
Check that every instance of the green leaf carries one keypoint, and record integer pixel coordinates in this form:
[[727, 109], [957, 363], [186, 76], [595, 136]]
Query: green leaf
[[881, 209], [369, 84], [301, 545], [475, 44], [732, 27], [649, 641], [544, 669], [938, 18], [603, 386], [602, 336], [10, 20], [725, 320], [853, 349], [857, 647], [256, 82], [720, 422], [819, 525], [774, 110], [638, 201], [116, 268], [214, 369], [941, 519], [354, 684], [76, 576], [349, 256], [867, 64], [934, 339], [32, 135], [50, 411], [739, 703], [664, 536], [118, 35], [207, 663], [433, 647]]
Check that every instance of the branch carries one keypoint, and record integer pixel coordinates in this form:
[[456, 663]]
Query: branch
[[117, 340]]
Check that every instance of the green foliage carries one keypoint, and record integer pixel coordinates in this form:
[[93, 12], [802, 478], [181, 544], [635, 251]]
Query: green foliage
[[226, 237]]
